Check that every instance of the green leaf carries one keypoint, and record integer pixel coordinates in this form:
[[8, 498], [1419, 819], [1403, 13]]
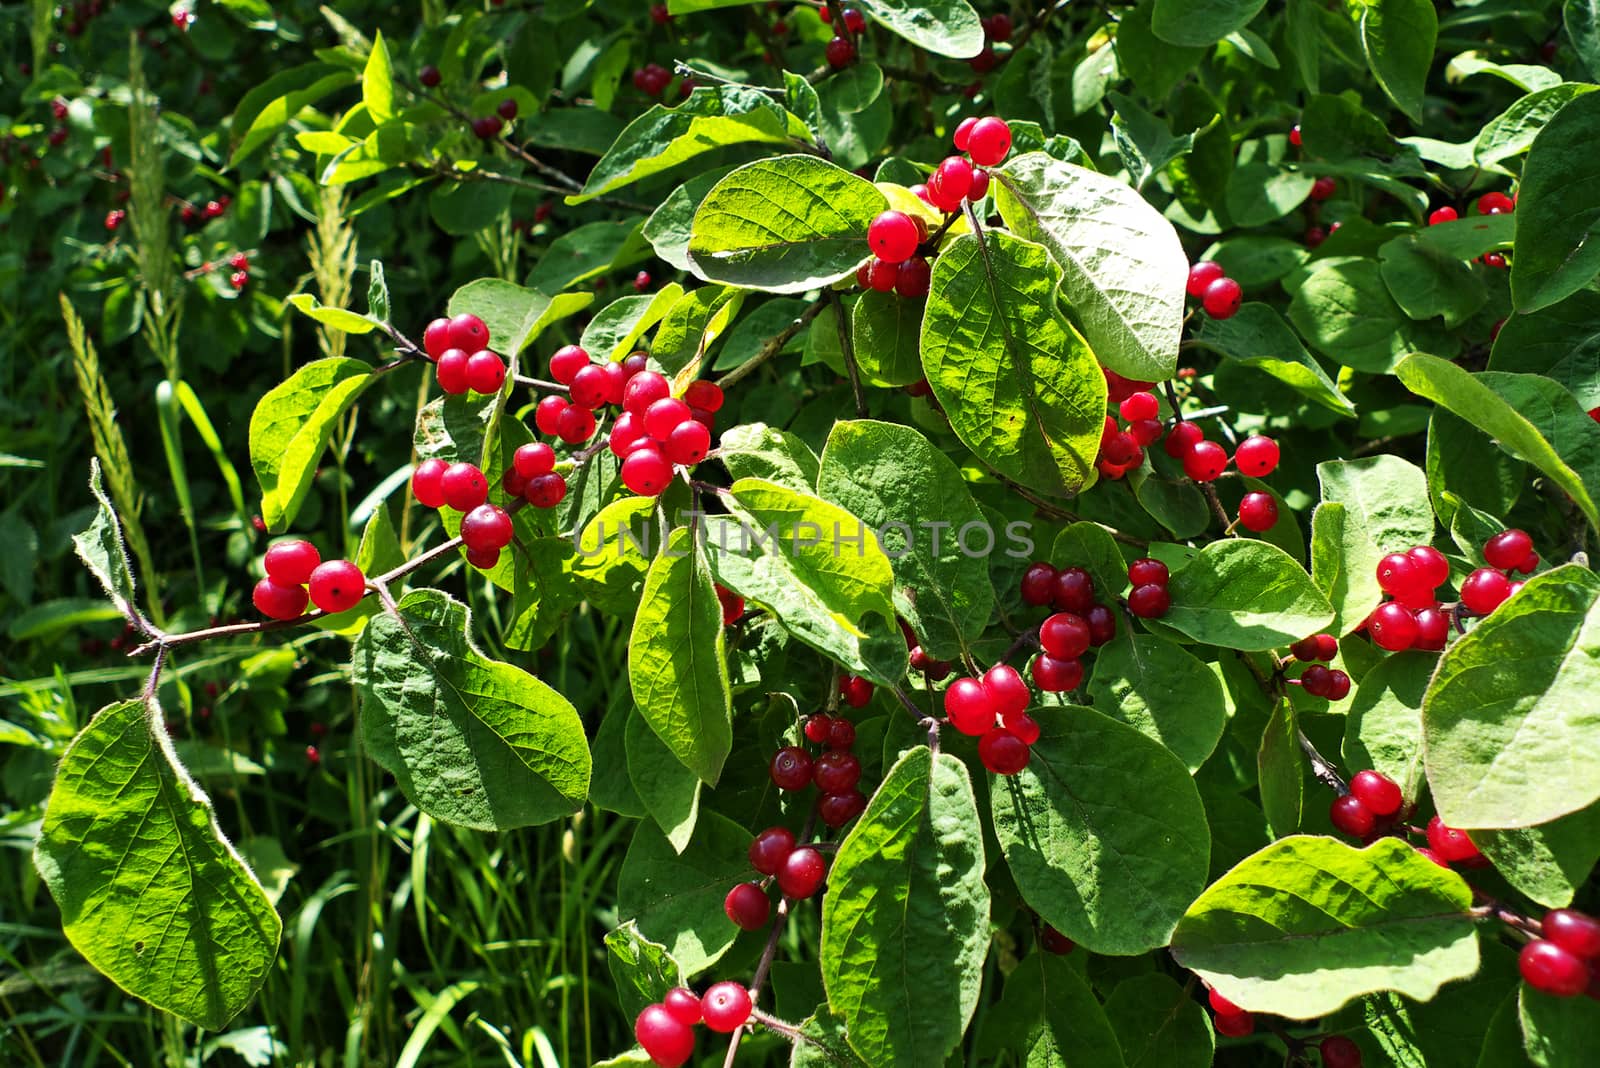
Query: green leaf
[[46, 619], [1091, 547], [267, 108], [784, 225], [1256, 336], [1161, 689], [1582, 21], [662, 138], [341, 319], [1559, 1032], [150, 891], [1201, 22], [1123, 269], [755, 450], [676, 662], [823, 1043], [1020, 386], [465, 208], [1397, 37], [643, 970], [1512, 132], [470, 740], [616, 329], [1144, 141], [676, 898], [1383, 729], [1309, 923], [1426, 282], [377, 292], [1260, 192], [1517, 749], [819, 570], [587, 252], [692, 324], [1561, 342], [886, 333], [1550, 862], [515, 315], [1279, 772], [1470, 397], [377, 84], [1103, 831], [291, 426], [100, 547], [1246, 594], [1384, 509], [1154, 65], [1558, 209], [1345, 311], [894, 480], [1158, 1024], [670, 226], [905, 920], [1072, 1027], [943, 27], [670, 791]]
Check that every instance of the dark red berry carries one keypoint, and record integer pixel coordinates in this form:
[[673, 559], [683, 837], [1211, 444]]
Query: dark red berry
[[486, 527], [1222, 298], [1102, 625], [1074, 590], [1258, 512], [835, 772], [429, 76], [802, 873], [836, 810], [1323, 188], [1053, 941], [1547, 967], [464, 486], [1451, 844], [747, 906], [1377, 791], [1038, 584], [855, 690], [1149, 601], [1351, 815], [1182, 439], [840, 52], [791, 768], [1339, 1052], [1002, 752], [1507, 549], [1056, 676]]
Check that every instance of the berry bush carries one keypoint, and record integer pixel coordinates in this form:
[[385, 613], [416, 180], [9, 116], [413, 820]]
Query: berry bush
[[1050, 536]]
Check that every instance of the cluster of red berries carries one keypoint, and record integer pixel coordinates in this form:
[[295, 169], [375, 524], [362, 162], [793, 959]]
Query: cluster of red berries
[[1218, 294], [1371, 806], [894, 237], [1318, 681], [448, 343], [840, 51], [1079, 623], [1337, 1051], [488, 127], [1488, 204], [291, 566], [797, 869], [666, 1029], [1122, 450], [1487, 588], [211, 209], [986, 142], [994, 709], [996, 28], [652, 79], [486, 528], [1413, 620], [241, 270], [836, 771], [1565, 959]]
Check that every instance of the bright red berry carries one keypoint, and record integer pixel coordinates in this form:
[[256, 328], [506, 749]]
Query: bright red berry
[[1573, 931], [950, 183], [1064, 636], [646, 472], [1377, 791], [643, 390], [968, 707], [1256, 456], [427, 484], [1485, 590], [1393, 627], [1008, 694], [1023, 726], [1294, 135], [1494, 204], [1056, 676], [704, 393], [664, 416], [468, 333], [1141, 405], [893, 236], [964, 131], [291, 562], [486, 372], [683, 1004], [1258, 512], [1507, 549], [451, 371], [1201, 275], [747, 906], [276, 600], [1182, 439], [726, 1007], [486, 527], [791, 768], [802, 873], [1547, 967], [1222, 298], [1352, 816], [464, 486], [988, 141], [1433, 570], [1235, 1025], [732, 607], [1451, 844], [436, 338], [1433, 629], [855, 690], [1002, 752], [566, 362], [337, 585], [1442, 215], [547, 415], [1205, 462], [668, 1040], [534, 459]]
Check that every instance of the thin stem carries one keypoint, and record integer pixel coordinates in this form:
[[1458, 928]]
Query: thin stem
[[1216, 505], [847, 347], [539, 383], [772, 1023], [773, 346]]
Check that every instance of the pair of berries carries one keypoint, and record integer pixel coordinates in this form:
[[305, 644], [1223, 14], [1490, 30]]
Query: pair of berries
[[1319, 681], [855, 691], [114, 219], [840, 51], [1148, 598], [994, 709], [798, 871], [485, 528], [895, 236], [448, 343], [652, 79], [1374, 801], [1218, 294], [533, 476], [1230, 1020], [666, 1029], [1488, 588], [934, 670], [1413, 619], [1122, 450], [1565, 960], [291, 566]]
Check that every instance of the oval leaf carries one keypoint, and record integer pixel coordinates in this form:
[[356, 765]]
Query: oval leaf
[[1245, 594], [291, 426], [1558, 209]]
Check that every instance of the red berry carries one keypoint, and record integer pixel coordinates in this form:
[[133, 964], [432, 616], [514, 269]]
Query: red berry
[[1145, 432], [1008, 694], [726, 1007], [337, 586], [1352, 816], [451, 370], [893, 236], [534, 459], [566, 362], [548, 413], [836, 810], [1000, 27], [683, 1004], [1149, 601], [791, 768], [646, 472], [1433, 629], [1573, 931], [664, 416], [1316, 680], [668, 1040], [732, 606], [964, 131], [1339, 1052], [980, 184], [436, 338], [836, 771], [936, 670], [1119, 389], [483, 559], [627, 434], [1294, 135], [1074, 590], [1442, 215], [468, 333], [1256, 456], [704, 393], [427, 484], [841, 734], [855, 690], [1424, 851], [816, 727], [747, 906], [1494, 204], [1338, 685], [802, 873], [854, 20], [464, 486], [429, 76], [1258, 512], [1507, 549], [1038, 584], [988, 141], [950, 183], [1549, 968], [276, 600], [985, 61], [1141, 405], [659, 14], [291, 562], [486, 527], [1064, 636], [114, 218], [545, 491], [486, 372], [1053, 941], [1451, 844], [1222, 298], [1056, 676], [590, 386], [1493, 259], [1002, 752], [1485, 590], [968, 707], [506, 109], [840, 52], [914, 278], [1393, 627], [1377, 791], [1235, 1025], [1102, 625], [1323, 188], [1433, 570], [1023, 726], [643, 390], [1201, 275], [1182, 439], [1205, 462]]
